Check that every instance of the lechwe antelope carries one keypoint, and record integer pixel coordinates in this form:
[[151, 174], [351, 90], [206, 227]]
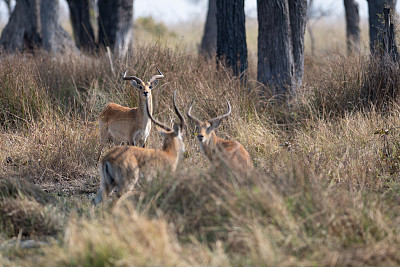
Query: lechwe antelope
[[221, 153], [129, 125], [125, 164]]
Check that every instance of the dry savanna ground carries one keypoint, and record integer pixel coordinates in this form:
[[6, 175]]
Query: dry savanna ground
[[325, 190]]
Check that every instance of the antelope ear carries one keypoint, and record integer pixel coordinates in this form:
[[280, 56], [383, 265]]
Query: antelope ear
[[134, 83], [154, 84], [214, 125], [177, 128]]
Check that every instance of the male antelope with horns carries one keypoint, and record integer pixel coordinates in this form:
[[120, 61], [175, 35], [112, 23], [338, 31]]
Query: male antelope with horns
[[221, 153], [129, 125], [125, 164]]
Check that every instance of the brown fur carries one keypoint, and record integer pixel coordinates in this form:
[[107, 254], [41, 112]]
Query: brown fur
[[129, 125], [126, 164], [224, 153]]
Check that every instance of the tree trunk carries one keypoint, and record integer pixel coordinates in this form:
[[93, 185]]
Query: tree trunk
[[80, 20], [231, 39], [281, 28], [22, 31], [8, 4], [54, 38], [376, 28], [208, 46], [298, 19], [309, 28], [352, 26], [34, 24], [389, 38], [116, 25], [275, 55]]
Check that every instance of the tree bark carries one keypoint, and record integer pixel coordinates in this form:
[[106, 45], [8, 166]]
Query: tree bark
[[116, 25], [231, 39], [22, 31], [80, 20], [281, 28], [8, 4], [309, 28], [298, 19], [54, 38], [376, 28], [352, 26], [35, 24], [208, 46], [275, 55], [389, 38]]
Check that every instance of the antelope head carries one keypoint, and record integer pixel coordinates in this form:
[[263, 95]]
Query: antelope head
[[223, 154], [204, 129], [144, 88]]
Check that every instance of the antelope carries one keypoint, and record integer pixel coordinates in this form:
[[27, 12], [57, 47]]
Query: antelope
[[221, 153], [129, 125], [126, 164]]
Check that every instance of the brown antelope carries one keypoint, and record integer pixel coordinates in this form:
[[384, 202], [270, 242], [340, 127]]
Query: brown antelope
[[125, 164], [129, 125], [221, 153]]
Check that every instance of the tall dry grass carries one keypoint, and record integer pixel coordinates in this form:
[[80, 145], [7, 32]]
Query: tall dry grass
[[325, 190]]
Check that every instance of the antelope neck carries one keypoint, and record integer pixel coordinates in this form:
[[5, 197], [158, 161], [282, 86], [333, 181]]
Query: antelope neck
[[142, 106], [171, 147], [173, 150], [210, 147]]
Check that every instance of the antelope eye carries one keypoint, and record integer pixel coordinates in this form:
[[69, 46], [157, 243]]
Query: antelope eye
[[140, 87], [150, 87]]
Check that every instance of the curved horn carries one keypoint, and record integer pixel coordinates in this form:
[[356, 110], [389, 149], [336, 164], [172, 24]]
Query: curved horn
[[182, 120], [222, 116], [196, 120], [155, 77], [165, 127], [128, 78]]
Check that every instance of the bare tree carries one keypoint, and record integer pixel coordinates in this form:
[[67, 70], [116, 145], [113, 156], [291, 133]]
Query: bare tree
[[231, 40], [209, 41], [352, 26], [35, 24], [298, 19], [281, 44], [376, 27], [116, 24], [80, 20], [55, 38], [8, 4]]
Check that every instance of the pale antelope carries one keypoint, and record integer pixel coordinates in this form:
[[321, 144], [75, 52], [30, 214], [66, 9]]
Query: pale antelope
[[125, 164], [129, 125], [221, 153]]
